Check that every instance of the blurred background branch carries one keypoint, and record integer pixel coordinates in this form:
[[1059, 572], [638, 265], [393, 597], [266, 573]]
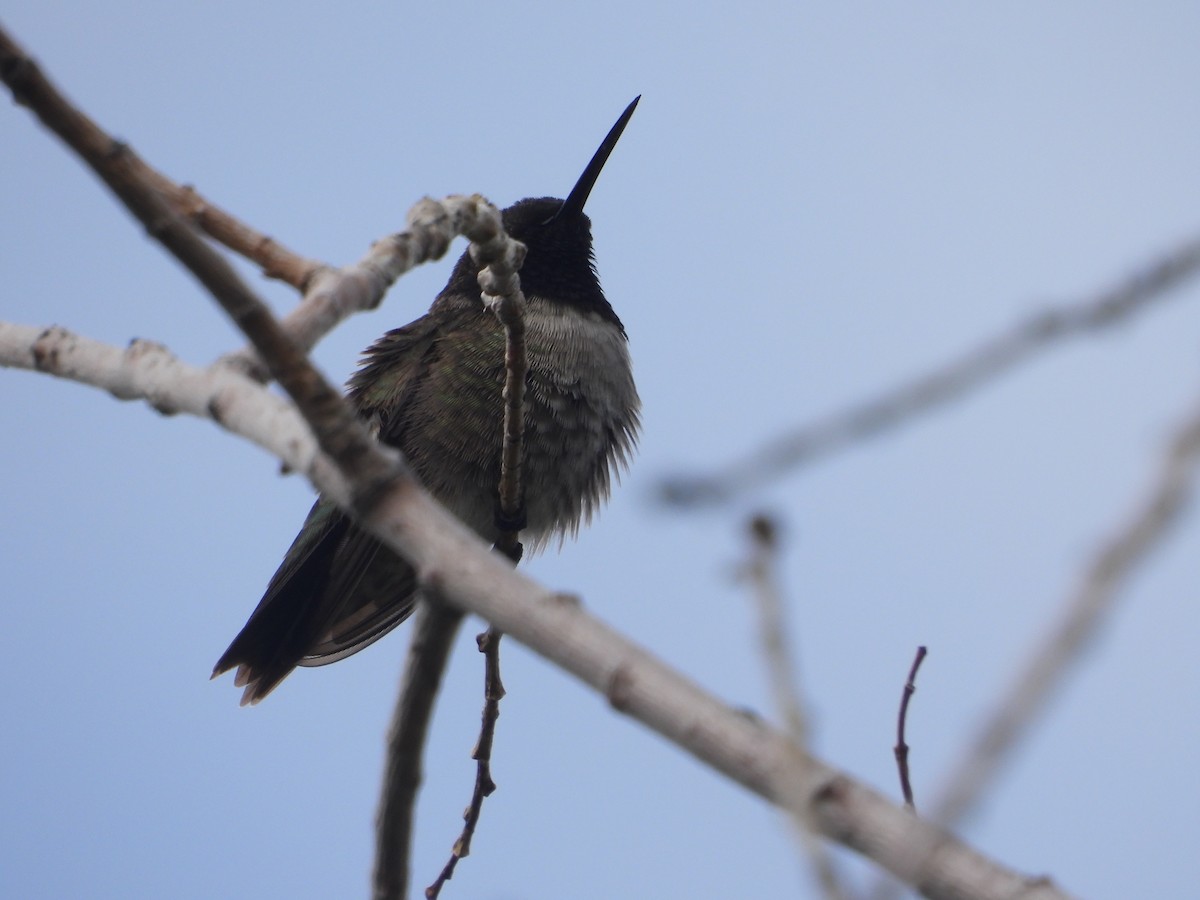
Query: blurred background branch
[[1086, 611], [761, 574], [1151, 283]]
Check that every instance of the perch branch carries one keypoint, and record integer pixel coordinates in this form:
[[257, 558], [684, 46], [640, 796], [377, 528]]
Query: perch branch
[[501, 289], [461, 568]]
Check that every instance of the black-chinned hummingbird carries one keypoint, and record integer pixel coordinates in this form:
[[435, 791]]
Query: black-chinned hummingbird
[[433, 389]]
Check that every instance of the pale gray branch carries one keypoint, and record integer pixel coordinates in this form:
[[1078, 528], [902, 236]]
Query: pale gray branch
[[463, 570], [148, 371], [434, 628], [332, 295]]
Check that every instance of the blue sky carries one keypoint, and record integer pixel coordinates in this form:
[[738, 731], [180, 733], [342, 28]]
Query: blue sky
[[810, 204]]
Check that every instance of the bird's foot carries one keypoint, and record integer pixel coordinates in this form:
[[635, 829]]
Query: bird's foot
[[511, 522]]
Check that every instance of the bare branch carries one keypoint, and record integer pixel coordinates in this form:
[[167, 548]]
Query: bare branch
[[148, 371], [338, 430], [275, 260], [458, 565], [31, 88], [940, 386], [783, 673], [489, 646], [434, 225], [332, 295], [901, 748], [1085, 612], [502, 293], [434, 627]]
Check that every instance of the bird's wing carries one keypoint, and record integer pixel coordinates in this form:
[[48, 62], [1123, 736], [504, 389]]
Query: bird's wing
[[378, 589], [292, 611], [338, 589]]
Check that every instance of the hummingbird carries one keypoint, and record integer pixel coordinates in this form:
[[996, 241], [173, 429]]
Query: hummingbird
[[433, 389]]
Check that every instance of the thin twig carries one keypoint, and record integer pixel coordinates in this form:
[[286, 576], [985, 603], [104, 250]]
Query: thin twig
[[488, 643], [1085, 612], [91, 142], [502, 293], [500, 259], [940, 386], [901, 748], [275, 260], [434, 627], [783, 673]]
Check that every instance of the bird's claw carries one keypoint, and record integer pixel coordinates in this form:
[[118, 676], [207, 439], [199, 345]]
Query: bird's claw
[[513, 522]]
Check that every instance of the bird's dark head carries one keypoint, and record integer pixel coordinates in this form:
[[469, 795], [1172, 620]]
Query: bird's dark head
[[559, 264]]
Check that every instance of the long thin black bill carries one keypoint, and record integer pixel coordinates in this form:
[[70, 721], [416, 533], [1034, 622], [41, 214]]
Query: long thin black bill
[[573, 205]]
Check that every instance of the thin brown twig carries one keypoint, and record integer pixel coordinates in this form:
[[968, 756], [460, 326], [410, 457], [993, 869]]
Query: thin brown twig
[[30, 88], [434, 627], [394, 826], [948, 382], [1085, 612], [276, 260], [502, 292], [783, 673], [901, 748], [489, 646]]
